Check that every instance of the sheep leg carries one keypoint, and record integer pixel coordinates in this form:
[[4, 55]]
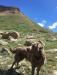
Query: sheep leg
[[13, 64], [33, 70], [16, 65], [38, 69]]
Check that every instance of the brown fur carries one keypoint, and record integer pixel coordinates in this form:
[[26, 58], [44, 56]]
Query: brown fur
[[34, 54], [5, 35], [14, 34]]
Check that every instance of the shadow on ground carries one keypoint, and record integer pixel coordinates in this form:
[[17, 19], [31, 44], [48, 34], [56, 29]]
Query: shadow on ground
[[9, 72]]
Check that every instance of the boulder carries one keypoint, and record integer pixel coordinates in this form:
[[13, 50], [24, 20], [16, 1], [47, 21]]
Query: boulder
[[2, 42], [9, 72]]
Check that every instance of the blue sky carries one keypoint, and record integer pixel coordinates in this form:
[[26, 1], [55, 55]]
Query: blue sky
[[43, 12]]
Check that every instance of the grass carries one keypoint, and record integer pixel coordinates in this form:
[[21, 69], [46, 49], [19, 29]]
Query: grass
[[51, 44], [23, 25], [19, 23], [11, 22], [47, 69]]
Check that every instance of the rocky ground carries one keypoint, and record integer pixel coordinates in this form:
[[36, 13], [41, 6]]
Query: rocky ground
[[7, 58], [49, 68]]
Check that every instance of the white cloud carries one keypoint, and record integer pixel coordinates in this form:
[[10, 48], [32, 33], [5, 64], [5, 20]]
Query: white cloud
[[44, 21], [53, 26], [41, 24]]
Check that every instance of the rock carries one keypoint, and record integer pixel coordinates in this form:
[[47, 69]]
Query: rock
[[55, 72], [30, 37], [2, 42], [9, 72], [4, 51], [1, 72]]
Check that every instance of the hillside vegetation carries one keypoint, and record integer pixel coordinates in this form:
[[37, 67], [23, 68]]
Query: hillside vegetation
[[19, 22], [11, 19]]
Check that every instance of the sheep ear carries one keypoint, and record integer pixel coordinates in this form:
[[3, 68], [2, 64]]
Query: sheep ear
[[43, 44], [39, 45]]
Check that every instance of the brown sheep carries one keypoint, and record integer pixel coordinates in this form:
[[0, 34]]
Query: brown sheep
[[33, 54], [5, 35], [14, 34]]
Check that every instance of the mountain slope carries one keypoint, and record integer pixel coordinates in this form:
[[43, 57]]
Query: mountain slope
[[11, 19], [19, 22], [8, 10]]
